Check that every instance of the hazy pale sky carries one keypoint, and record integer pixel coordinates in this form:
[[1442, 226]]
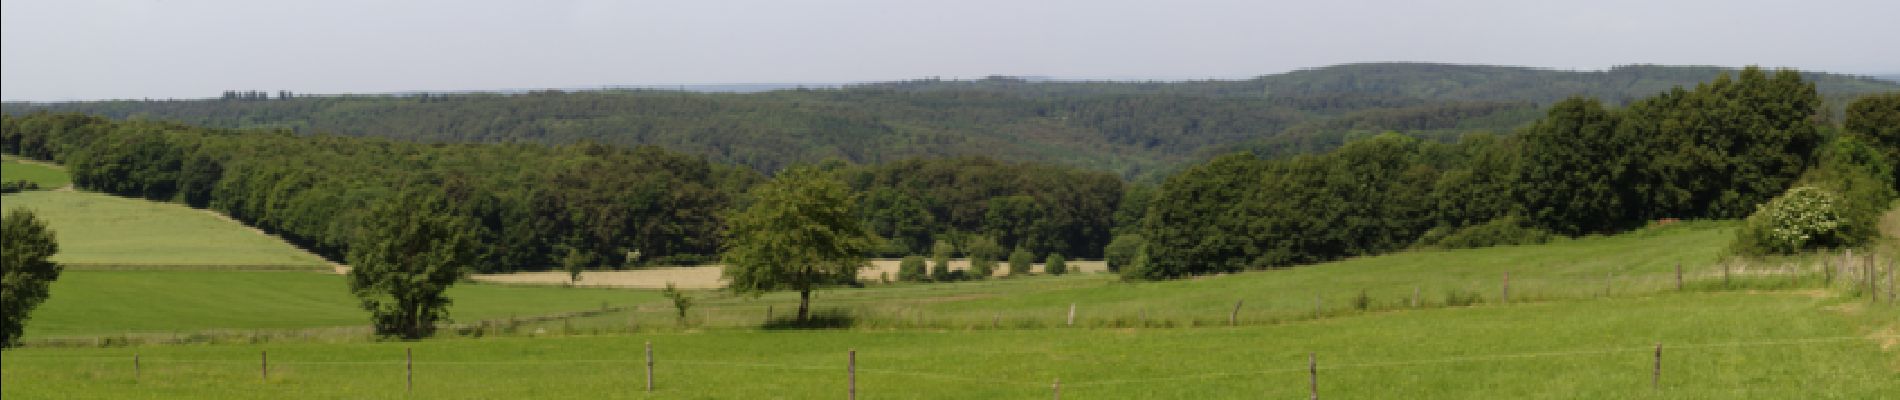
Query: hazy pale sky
[[104, 49]]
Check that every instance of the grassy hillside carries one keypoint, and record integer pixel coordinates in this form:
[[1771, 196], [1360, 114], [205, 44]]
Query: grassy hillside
[[1133, 128], [86, 303], [1732, 345], [1638, 263], [99, 229], [47, 177]]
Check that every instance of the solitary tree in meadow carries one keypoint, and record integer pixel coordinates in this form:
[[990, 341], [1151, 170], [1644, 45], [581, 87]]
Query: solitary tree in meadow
[[799, 233], [412, 251], [26, 274]]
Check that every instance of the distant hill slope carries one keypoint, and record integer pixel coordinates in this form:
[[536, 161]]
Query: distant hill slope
[[1133, 128]]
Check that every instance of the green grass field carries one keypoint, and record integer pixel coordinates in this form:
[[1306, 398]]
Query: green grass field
[[91, 303], [12, 169], [1637, 263], [95, 228], [1717, 345], [1581, 320]]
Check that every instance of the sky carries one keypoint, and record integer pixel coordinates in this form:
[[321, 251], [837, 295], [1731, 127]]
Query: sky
[[54, 50]]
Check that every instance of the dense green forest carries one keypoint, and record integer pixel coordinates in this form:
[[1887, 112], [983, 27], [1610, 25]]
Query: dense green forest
[[538, 207], [1717, 150], [1142, 130]]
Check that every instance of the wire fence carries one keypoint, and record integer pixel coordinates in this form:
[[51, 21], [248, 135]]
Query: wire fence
[[1865, 275], [1318, 369]]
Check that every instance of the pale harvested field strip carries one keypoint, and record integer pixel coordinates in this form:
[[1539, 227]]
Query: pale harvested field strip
[[708, 277]]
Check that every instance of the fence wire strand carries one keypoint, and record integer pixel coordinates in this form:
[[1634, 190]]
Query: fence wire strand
[[1095, 383]]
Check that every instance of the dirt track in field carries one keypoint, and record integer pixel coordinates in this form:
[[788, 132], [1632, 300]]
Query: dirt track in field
[[708, 277]]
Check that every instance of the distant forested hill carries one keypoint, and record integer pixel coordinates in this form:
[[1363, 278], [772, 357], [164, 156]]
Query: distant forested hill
[[1135, 129]]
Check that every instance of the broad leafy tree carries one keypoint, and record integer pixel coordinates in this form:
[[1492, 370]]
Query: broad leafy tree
[[1878, 118], [26, 271], [411, 252], [799, 233], [1572, 165]]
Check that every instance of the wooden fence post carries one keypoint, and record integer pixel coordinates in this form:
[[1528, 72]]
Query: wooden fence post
[[1873, 286], [1847, 258], [1827, 271], [1233, 318], [996, 320], [1415, 291], [1655, 378], [1725, 273], [135, 367], [768, 313], [1071, 314], [1312, 373], [263, 364], [649, 366], [1057, 388], [1609, 278], [1678, 276], [1507, 287], [1316, 306], [852, 369], [409, 363]]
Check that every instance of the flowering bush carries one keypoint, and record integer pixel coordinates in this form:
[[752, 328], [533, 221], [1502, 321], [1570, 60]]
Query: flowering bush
[[1803, 218]]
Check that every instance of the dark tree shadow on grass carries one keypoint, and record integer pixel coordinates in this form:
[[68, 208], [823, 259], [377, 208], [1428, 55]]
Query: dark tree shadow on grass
[[832, 318]]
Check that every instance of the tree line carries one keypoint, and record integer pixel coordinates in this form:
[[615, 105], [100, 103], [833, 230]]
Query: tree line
[[535, 207], [1715, 151]]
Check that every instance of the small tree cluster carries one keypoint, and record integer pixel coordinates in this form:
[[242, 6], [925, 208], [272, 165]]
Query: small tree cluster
[[18, 186]]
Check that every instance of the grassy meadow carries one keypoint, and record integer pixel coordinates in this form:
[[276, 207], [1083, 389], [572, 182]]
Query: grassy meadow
[[48, 177], [1717, 345], [99, 229], [97, 303], [1637, 263]]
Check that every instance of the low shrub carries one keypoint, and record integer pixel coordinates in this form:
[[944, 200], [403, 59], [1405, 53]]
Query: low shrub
[[1020, 261], [1055, 265], [1804, 218], [1461, 298], [912, 270], [1504, 231], [1120, 252]]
